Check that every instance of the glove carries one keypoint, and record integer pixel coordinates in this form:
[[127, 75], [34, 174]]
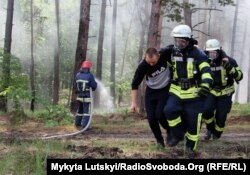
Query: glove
[[227, 66], [204, 91]]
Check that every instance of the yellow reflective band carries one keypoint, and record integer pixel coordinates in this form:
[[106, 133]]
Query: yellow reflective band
[[80, 115], [198, 130], [223, 77], [219, 129], [86, 100], [205, 85], [82, 81], [239, 73], [175, 71], [208, 121], [227, 91], [232, 71], [206, 76], [192, 137], [184, 94], [190, 69], [175, 122], [203, 65]]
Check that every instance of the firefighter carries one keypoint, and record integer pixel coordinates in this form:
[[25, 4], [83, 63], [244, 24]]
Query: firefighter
[[191, 80], [218, 103], [85, 81], [155, 68]]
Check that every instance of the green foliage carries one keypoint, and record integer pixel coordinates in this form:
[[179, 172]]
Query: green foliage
[[55, 115], [173, 8], [226, 2]]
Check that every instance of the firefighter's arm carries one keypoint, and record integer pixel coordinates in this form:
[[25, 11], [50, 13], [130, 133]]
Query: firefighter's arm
[[206, 73], [93, 83], [134, 99], [232, 68]]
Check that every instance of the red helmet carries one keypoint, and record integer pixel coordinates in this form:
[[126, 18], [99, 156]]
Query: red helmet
[[86, 64]]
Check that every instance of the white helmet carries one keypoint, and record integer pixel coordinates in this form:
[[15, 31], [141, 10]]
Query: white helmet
[[212, 44], [181, 31]]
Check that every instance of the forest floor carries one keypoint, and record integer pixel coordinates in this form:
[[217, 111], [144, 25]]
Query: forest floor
[[122, 136]]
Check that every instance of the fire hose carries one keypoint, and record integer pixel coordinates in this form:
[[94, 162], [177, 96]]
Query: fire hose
[[83, 129]]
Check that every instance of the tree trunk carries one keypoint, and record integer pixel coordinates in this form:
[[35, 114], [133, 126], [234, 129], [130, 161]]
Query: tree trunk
[[32, 65], [82, 45], [153, 39], [234, 27], [100, 41], [7, 54], [187, 13], [141, 90], [57, 57], [153, 35], [100, 50], [113, 52]]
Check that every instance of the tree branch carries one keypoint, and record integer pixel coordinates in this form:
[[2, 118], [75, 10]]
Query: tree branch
[[198, 24], [201, 32], [197, 9]]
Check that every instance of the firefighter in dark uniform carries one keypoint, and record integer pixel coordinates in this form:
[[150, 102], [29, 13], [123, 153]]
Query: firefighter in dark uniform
[[219, 101], [154, 66], [84, 81], [191, 80]]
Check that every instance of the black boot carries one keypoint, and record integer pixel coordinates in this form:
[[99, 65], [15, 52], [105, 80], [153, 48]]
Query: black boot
[[208, 135], [173, 141], [160, 143], [169, 137]]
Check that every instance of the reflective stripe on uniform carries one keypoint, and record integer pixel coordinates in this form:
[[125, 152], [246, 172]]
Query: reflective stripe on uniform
[[184, 94], [80, 115], [190, 68], [81, 81], [239, 74], [205, 85], [84, 100], [203, 65], [206, 76], [223, 77], [198, 130], [227, 91], [192, 137], [175, 122], [175, 76], [219, 129], [208, 121]]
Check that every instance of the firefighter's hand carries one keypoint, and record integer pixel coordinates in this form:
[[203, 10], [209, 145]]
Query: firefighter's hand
[[204, 91], [133, 107], [226, 64]]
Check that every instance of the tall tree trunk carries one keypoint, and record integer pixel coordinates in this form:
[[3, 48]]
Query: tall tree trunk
[[7, 54], [124, 56], [236, 13], [113, 52], [100, 40], [82, 45], [153, 34], [32, 65], [100, 50], [153, 40], [187, 13], [144, 25], [57, 57]]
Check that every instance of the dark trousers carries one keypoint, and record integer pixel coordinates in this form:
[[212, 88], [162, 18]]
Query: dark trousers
[[215, 113], [184, 117], [83, 114], [155, 99]]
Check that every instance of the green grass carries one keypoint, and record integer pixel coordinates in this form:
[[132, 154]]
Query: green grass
[[240, 110], [28, 157]]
